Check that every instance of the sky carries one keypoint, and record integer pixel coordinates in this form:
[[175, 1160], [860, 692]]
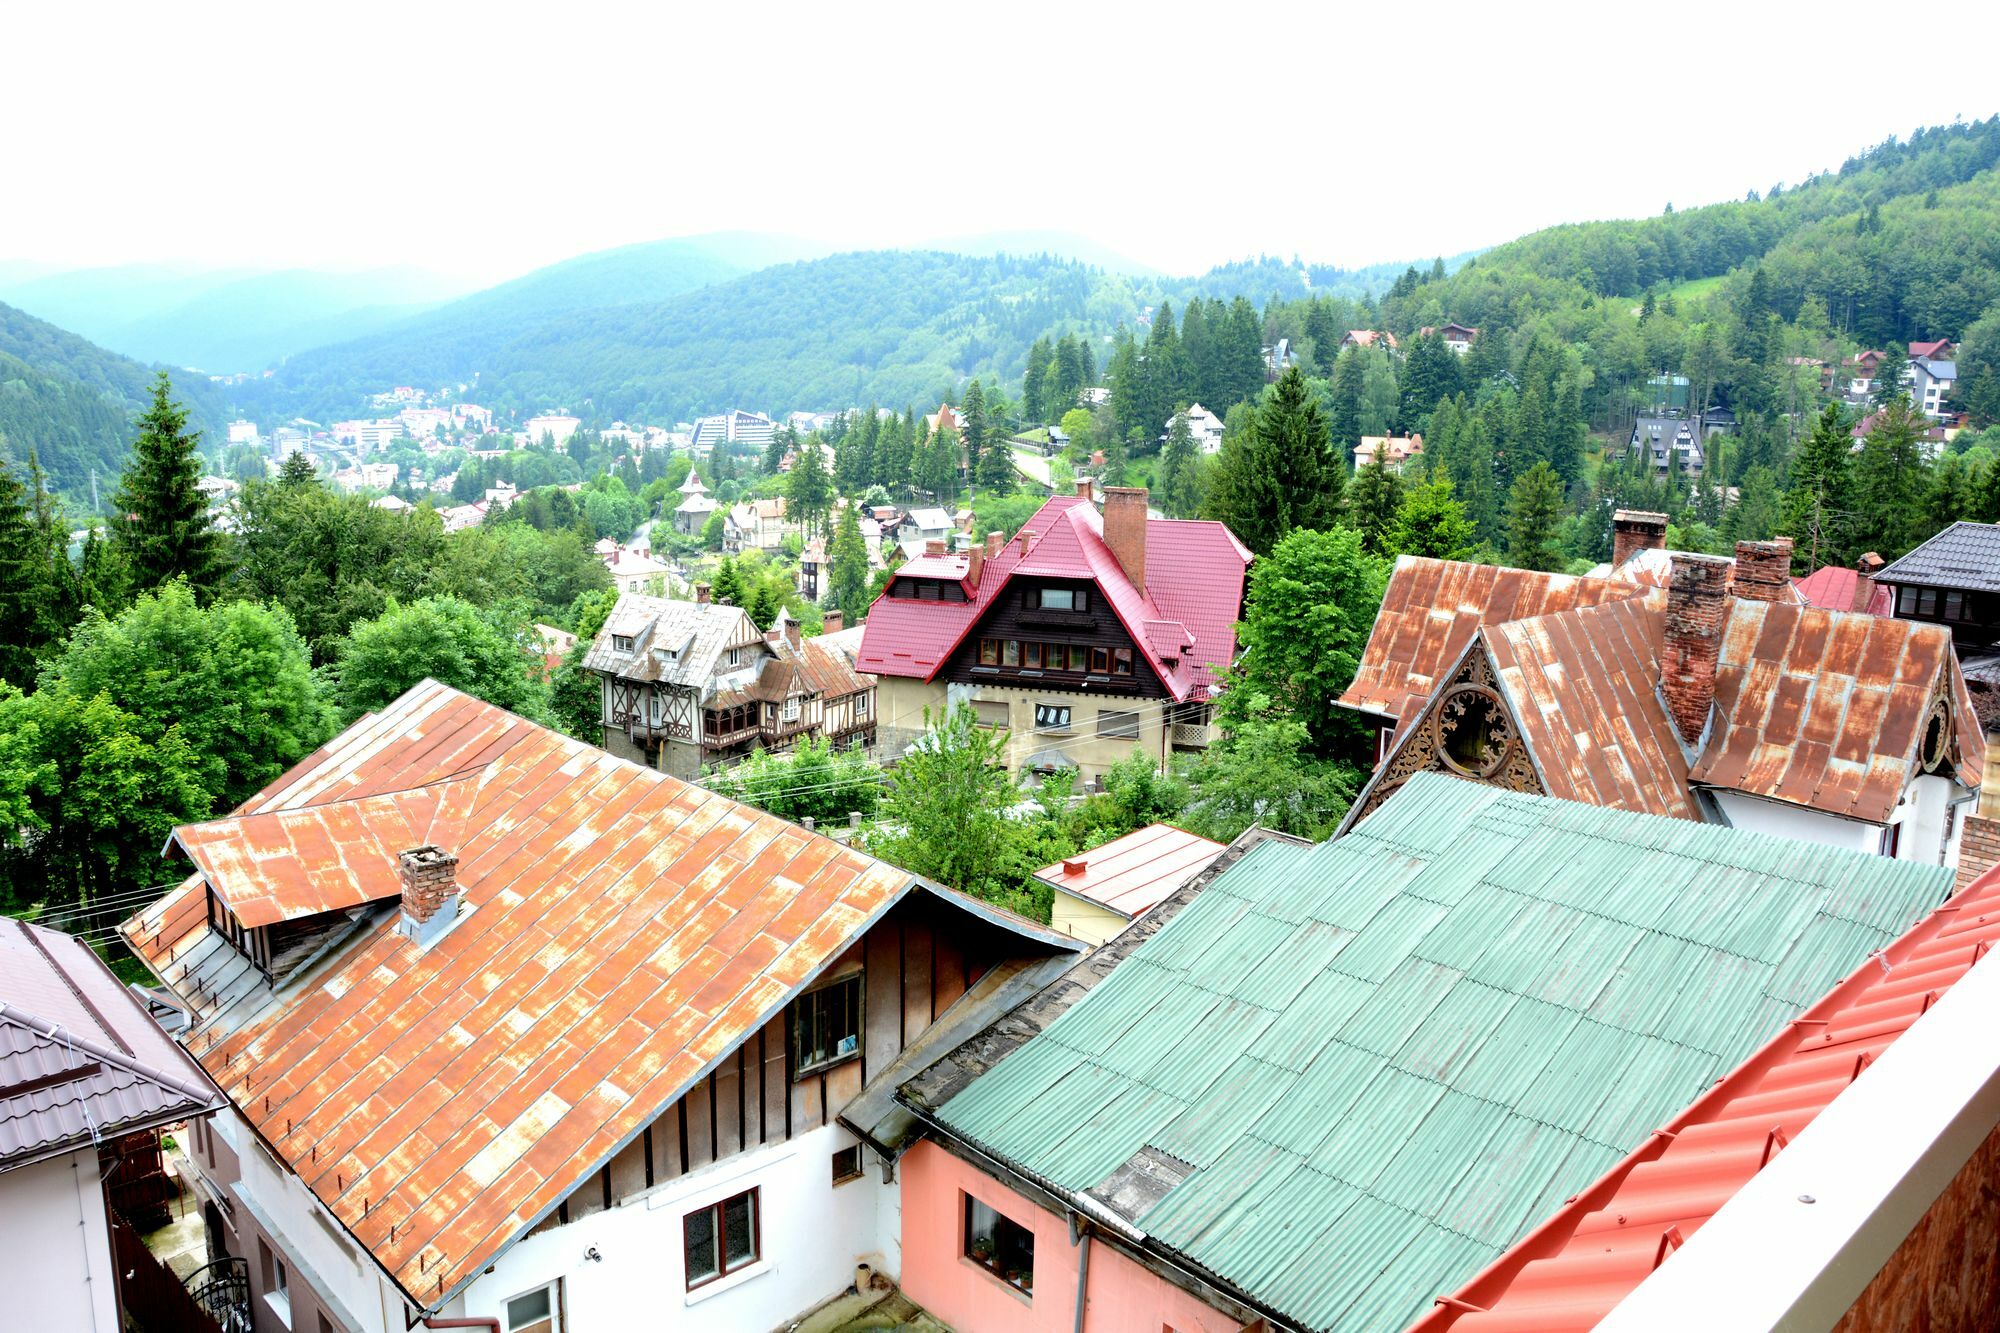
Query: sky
[[485, 140]]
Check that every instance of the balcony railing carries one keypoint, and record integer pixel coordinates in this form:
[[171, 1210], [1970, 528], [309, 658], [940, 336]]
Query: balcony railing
[[1190, 735]]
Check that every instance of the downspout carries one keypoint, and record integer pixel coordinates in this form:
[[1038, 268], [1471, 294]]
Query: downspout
[[1079, 1236]]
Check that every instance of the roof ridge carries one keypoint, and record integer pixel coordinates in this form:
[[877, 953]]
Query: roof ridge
[[52, 1031]]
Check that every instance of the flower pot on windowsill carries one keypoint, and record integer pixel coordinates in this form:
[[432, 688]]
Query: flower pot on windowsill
[[982, 1250]]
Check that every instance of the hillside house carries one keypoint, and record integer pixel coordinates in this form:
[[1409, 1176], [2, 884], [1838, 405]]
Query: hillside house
[[88, 1083], [1952, 580], [1085, 637], [756, 525], [925, 525], [1457, 337], [518, 1033], [687, 685], [1718, 698], [633, 569], [1205, 426], [1670, 441], [1931, 382], [1370, 338], [1941, 349], [1398, 449], [1861, 372], [1319, 1085]]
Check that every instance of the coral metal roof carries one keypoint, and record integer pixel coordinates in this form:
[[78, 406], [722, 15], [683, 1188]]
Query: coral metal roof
[[1833, 586], [1430, 609], [1194, 594], [625, 930], [1129, 875], [80, 1060], [1416, 1040], [1592, 1253]]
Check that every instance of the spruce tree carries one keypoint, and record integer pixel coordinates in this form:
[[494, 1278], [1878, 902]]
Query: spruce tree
[[728, 588], [1280, 475], [973, 430], [1431, 523], [1179, 471], [1817, 503], [1888, 386], [23, 579], [1035, 381], [297, 471], [1350, 375], [1534, 512], [162, 527], [847, 575], [1372, 501]]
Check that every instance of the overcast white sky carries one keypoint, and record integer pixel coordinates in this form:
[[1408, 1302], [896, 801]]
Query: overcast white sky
[[484, 140]]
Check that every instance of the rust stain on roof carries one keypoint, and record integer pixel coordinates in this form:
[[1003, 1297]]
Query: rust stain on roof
[[624, 930], [1432, 608], [1573, 1269]]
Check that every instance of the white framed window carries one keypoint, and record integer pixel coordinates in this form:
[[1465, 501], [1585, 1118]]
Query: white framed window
[[791, 713], [1052, 717], [622, 642], [537, 1311]]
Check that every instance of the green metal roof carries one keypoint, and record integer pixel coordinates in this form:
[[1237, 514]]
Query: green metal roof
[[1386, 1058]]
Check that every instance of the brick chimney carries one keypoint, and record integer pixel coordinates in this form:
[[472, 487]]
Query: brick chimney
[[1125, 530], [1764, 570], [1027, 536], [793, 630], [834, 622], [1083, 488], [1635, 530], [996, 542], [1075, 865], [701, 594], [1697, 606], [430, 892], [1865, 570], [934, 546]]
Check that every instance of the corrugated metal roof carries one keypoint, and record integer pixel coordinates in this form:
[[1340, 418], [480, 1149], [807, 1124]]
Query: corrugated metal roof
[[1407, 1054], [622, 931], [1430, 610], [1131, 874], [1590, 1254], [81, 1060], [1964, 555], [1833, 587], [1195, 577]]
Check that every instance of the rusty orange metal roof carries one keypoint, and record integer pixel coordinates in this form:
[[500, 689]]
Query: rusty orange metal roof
[[1430, 610], [1569, 1273], [622, 931], [1132, 874]]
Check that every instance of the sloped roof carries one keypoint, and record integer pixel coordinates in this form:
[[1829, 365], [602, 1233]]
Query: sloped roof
[[1597, 1248], [1194, 592], [1965, 555], [695, 633], [1130, 875], [1430, 610], [1832, 587], [80, 1060], [1417, 1040], [623, 931]]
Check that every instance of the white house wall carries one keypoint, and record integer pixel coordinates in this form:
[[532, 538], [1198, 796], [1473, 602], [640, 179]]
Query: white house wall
[[55, 1247], [811, 1234], [1791, 821]]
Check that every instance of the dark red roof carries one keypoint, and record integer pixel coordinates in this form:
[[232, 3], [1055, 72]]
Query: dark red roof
[[1832, 587], [1571, 1271], [1184, 622]]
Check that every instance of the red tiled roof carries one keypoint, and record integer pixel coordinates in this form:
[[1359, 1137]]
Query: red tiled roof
[[1430, 610], [1933, 348], [1571, 1271], [1832, 587], [1195, 573], [1130, 875], [622, 931]]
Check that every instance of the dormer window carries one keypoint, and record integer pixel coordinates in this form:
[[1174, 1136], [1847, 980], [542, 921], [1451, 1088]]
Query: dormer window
[[1056, 599], [623, 643]]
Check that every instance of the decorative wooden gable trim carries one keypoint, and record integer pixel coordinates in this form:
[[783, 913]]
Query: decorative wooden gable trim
[[1466, 730]]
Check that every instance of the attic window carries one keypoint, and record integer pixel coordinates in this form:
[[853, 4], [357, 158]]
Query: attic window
[[1473, 732], [1937, 730], [622, 642]]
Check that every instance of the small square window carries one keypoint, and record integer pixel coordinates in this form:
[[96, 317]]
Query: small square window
[[847, 1164], [826, 1026], [1000, 1245], [720, 1239], [537, 1311], [1058, 599], [622, 642], [1100, 661]]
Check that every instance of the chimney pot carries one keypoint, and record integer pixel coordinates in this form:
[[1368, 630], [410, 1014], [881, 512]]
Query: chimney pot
[[792, 632], [1697, 606], [701, 594], [1075, 865], [834, 623], [1764, 570], [1635, 530], [1083, 488], [995, 543], [1865, 570], [1125, 530]]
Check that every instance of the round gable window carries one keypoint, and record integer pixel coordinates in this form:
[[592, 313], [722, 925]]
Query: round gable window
[[1937, 730], [1473, 731]]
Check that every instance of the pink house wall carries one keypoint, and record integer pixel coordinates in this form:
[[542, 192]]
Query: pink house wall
[[1124, 1297]]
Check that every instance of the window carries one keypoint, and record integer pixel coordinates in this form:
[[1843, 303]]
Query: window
[[1927, 601], [826, 1026], [989, 652], [1010, 653], [1906, 601], [1118, 726], [1100, 661], [791, 713], [1000, 1245], [1121, 661], [1031, 656], [847, 1164], [622, 642], [1052, 717], [720, 1239], [861, 705], [736, 657], [1954, 606], [990, 712], [537, 1311], [1055, 599]]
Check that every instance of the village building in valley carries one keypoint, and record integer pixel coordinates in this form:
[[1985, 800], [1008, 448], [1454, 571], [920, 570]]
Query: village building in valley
[[516, 1032]]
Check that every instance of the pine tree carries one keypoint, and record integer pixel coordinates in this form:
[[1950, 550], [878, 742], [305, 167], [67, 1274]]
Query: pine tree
[[1035, 380], [23, 584], [1166, 374], [1534, 511], [1373, 499], [728, 588], [1817, 500], [1430, 375], [1892, 477], [1325, 335], [1431, 523], [847, 576], [163, 528], [1243, 361], [1985, 498], [1180, 471], [809, 488], [298, 470], [1889, 386], [973, 430], [1280, 475], [1349, 380]]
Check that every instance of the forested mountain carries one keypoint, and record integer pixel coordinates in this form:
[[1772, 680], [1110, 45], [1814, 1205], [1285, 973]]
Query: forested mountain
[[71, 401], [223, 320]]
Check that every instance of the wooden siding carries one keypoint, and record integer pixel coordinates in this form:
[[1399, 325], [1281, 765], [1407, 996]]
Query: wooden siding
[[1095, 627], [915, 964]]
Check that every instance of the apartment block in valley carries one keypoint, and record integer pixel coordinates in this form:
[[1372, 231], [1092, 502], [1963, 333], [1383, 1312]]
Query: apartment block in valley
[[517, 1032]]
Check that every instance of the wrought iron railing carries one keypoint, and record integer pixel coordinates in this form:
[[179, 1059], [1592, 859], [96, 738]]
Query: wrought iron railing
[[222, 1291]]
